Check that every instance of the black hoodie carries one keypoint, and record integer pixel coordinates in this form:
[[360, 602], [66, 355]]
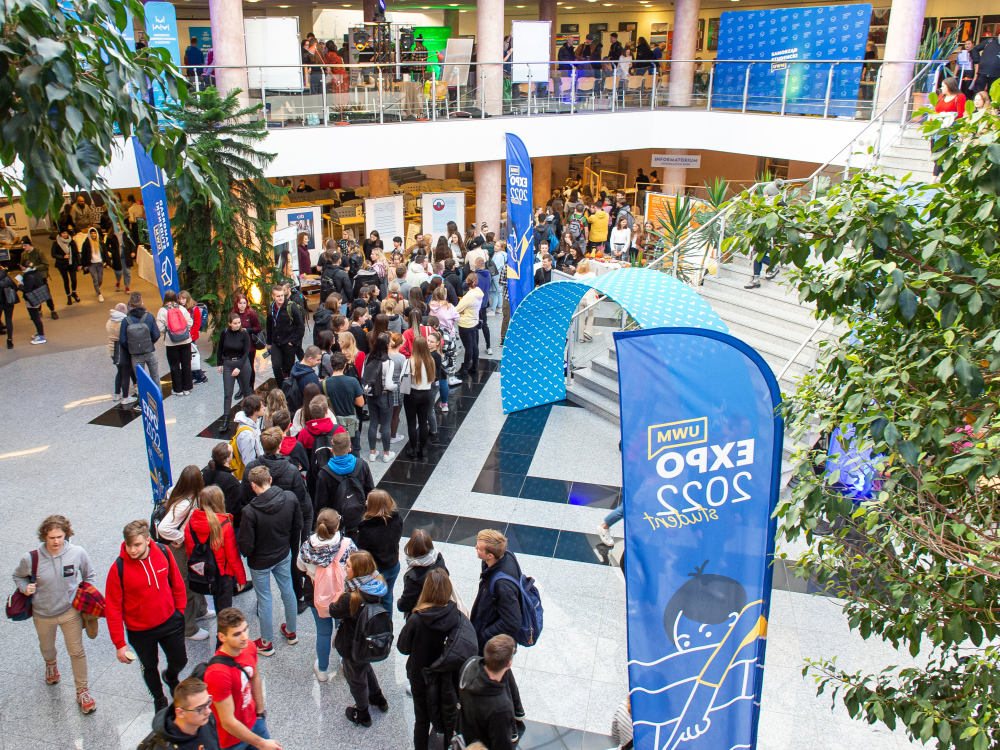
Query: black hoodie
[[454, 280], [169, 736], [223, 478], [422, 637], [269, 523], [322, 321], [413, 584], [487, 710], [287, 477], [6, 282]]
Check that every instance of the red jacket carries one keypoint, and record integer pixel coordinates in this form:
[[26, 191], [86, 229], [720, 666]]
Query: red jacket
[[154, 590], [406, 348], [195, 322], [314, 428], [228, 555]]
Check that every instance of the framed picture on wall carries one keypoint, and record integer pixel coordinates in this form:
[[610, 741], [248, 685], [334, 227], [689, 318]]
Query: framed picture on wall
[[880, 16], [631, 26], [659, 28], [597, 28], [569, 28], [573, 39], [967, 28], [700, 44], [713, 34], [989, 27]]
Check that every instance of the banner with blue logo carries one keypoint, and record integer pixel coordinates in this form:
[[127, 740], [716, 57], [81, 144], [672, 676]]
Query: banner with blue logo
[[154, 199], [701, 465], [154, 425], [782, 35], [520, 223], [161, 30]]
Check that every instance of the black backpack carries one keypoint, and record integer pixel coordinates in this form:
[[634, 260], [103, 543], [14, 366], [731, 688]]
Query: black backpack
[[326, 278], [371, 377], [199, 669], [293, 394], [349, 498], [322, 451], [203, 568], [137, 336], [372, 635]]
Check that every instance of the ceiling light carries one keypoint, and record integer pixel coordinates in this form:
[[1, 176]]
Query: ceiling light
[[453, 5], [606, 5], [463, 11], [520, 6], [282, 6]]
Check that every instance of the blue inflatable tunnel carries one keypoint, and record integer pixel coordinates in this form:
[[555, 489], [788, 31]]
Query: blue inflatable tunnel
[[532, 366]]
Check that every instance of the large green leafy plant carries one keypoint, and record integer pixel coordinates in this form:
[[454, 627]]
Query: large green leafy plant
[[223, 226], [912, 275], [66, 79]]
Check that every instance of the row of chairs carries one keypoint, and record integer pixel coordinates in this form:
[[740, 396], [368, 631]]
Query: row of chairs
[[639, 88]]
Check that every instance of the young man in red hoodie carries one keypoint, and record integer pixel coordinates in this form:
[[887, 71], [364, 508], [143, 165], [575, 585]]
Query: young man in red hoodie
[[145, 593], [315, 438]]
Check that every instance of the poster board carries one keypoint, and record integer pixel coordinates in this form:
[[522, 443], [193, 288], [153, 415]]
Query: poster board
[[412, 230], [385, 216], [457, 56], [437, 209], [532, 44], [285, 251], [274, 41], [308, 219]]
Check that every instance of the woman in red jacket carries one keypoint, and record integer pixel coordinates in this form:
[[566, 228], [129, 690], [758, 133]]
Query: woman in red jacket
[[951, 99], [209, 521]]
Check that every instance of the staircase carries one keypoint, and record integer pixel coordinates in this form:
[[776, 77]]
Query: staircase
[[770, 319], [404, 175], [910, 155]]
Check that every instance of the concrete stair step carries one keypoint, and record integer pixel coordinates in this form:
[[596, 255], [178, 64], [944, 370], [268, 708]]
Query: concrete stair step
[[924, 164], [594, 402], [728, 302], [910, 175], [593, 380], [914, 141], [606, 366], [911, 152], [731, 280], [772, 329]]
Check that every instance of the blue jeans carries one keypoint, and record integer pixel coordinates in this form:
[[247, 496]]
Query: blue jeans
[[324, 638], [615, 516], [445, 390], [758, 265], [259, 728], [282, 573], [390, 581], [494, 293]]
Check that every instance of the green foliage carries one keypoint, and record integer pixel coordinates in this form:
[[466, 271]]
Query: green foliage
[[63, 81], [223, 226], [912, 275]]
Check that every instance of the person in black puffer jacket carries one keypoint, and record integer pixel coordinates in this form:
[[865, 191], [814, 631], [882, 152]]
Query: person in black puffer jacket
[[438, 639], [218, 473], [287, 477], [379, 533], [421, 559]]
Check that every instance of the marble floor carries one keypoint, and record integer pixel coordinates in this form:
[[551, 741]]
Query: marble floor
[[545, 477]]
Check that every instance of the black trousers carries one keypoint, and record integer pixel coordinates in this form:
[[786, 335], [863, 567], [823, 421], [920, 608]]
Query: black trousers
[[222, 592], [35, 313], [421, 715], [8, 318], [170, 637], [417, 405], [484, 325], [69, 279], [123, 380], [470, 340], [297, 575], [282, 361], [228, 379], [179, 360], [362, 682], [983, 83]]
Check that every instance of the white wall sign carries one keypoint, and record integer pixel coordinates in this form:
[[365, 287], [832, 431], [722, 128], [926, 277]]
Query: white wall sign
[[457, 55], [440, 208], [274, 41], [685, 161], [532, 44], [385, 216]]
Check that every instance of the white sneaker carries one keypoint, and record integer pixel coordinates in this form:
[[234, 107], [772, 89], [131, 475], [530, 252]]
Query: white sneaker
[[444, 408], [397, 439], [100, 298], [489, 351], [454, 381], [208, 615], [373, 456], [129, 400], [116, 398], [606, 537], [387, 457], [320, 674], [201, 635]]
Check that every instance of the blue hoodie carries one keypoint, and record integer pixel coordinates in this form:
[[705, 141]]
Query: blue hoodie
[[305, 375], [483, 282]]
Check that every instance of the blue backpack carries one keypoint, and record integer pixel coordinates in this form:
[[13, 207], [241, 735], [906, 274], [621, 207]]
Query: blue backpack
[[531, 608]]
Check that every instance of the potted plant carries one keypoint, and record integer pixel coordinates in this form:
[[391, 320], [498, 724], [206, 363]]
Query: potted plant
[[933, 47]]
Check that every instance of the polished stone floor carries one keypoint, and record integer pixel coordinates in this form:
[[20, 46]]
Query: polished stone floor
[[545, 477]]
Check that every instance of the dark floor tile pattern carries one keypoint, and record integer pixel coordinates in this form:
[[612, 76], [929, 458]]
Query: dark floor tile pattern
[[215, 432], [119, 416]]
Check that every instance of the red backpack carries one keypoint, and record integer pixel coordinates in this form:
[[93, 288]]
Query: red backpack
[[178, 328]]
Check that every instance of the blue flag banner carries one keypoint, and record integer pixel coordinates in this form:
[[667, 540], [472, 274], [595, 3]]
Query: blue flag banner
[[520, 223], [161, 30], [154, 198], [155, 428], [775, 38], [701, 463]]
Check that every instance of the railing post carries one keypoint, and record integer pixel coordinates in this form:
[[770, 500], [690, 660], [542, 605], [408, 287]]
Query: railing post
[[711, 82], [434, 93], [653, 102], [878, 83], [326, 109], [614, 87], [572, 91], [829, 88], [263, 97], [529, 91], [482, 86], [784, 89], [746, 85], [380, 108]]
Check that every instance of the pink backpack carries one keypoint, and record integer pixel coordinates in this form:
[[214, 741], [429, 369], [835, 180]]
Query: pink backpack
[[328, 586]]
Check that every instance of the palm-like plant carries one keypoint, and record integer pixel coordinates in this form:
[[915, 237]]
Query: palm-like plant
[[224, 232], [675, 226]]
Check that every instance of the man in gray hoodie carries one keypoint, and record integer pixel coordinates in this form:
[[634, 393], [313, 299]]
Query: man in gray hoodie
[[60, 569]]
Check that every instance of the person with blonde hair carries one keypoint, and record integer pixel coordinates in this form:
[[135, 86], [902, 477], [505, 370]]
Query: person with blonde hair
[[379, 533], [446, 313], [417, 404], [212, 525], [51, 575], [363, 586], [275, 402], [325, 547]]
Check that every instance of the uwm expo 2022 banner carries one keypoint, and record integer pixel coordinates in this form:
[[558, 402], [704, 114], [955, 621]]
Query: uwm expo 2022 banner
[[701, 463], [783, 35]]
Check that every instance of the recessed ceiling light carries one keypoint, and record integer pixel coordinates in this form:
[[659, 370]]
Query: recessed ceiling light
[[282, 6], [463, 11], [520, 6], [453, 5], [606, 5]]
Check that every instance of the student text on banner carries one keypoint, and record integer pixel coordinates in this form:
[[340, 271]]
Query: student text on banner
[[520, 234], [701, 462], [154, 198], [155, 428]]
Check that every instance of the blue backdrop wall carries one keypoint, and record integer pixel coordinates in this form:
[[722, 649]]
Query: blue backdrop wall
[[776, 37]]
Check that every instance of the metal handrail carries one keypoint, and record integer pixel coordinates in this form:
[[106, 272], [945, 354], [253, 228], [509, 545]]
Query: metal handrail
[[798, 351]]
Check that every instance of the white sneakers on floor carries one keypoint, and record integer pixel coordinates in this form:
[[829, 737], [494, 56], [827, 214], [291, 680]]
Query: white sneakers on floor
[[454, 381], [208, 615], [201, 635], [100, 298], [387, 457], [320, 674], [115, 398], [397, 439], [606, 537], [489, 351]]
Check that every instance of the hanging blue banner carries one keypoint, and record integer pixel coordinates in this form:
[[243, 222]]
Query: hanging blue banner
[[779, 38], [701, 463], [154, 198], [154, 425], [161, 30], [520, 223]]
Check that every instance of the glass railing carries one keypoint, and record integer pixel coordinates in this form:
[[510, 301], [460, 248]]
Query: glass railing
[[320, 95]]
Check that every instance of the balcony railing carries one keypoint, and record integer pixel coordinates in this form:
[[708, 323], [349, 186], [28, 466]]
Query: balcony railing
[[320, 95]]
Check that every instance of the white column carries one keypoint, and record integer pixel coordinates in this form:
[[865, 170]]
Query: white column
[[489, 184], [684, 47], [674, 178], [489, 48], [906, 22], [229, 47]]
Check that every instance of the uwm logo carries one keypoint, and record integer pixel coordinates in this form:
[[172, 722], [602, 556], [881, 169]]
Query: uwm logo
[[675, 434]]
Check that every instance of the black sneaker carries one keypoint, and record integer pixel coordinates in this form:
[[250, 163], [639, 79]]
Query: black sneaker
[[170, 684], [363, 718], [754, 283], [379, 701], [159, 704]]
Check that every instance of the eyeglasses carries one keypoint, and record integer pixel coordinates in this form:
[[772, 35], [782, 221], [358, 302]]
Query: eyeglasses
[[199, 709]]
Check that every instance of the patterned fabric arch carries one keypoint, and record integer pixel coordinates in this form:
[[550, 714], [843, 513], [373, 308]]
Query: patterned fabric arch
[[532, 366]]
